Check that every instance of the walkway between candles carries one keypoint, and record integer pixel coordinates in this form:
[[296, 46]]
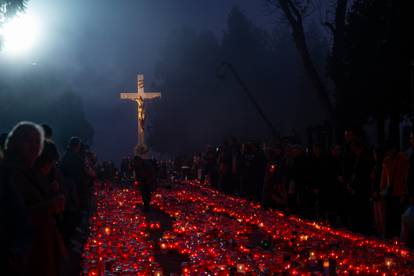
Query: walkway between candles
[[170, 261]]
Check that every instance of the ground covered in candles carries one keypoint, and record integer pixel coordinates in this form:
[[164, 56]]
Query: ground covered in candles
[[194, 230]]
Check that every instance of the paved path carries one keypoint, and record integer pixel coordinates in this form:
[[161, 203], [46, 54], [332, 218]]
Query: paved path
[[170, 260]]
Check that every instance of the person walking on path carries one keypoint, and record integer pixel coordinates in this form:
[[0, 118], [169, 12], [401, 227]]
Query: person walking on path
[[145, 175]]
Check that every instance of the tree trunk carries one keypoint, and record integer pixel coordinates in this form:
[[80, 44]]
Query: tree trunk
[[337, 72], [294, 17]]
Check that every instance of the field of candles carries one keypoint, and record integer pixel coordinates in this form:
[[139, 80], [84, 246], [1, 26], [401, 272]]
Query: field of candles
[[195, 230]]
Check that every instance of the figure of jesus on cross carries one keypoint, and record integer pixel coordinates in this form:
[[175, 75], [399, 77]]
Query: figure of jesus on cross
[[140, 97]]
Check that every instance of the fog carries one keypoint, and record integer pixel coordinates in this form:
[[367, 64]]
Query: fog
[[95, 49]]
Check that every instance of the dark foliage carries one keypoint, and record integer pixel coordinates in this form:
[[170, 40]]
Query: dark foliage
[[9, 8], [43, 98], [376, 63], [201, 104]]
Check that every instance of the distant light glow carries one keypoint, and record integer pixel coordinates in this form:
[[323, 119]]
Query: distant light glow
[[20, 34]]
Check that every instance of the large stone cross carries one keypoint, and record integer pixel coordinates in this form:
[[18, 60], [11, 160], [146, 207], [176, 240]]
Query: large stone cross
[[140, 97]]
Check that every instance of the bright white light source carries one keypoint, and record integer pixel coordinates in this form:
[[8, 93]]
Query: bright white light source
[[20, 34]]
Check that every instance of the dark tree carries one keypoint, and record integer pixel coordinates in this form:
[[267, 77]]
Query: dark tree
[[195, 99], [186, 77], [70, 119], [249, 51], [295, 12], [198, 97], [376, 71], [42, 97], [9, 8], [368, 61]]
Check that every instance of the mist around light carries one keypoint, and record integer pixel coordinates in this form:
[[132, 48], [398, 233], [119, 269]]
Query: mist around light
[[21, 34]]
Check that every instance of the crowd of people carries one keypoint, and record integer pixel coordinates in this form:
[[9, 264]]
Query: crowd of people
[[367, 190], [45, 200]]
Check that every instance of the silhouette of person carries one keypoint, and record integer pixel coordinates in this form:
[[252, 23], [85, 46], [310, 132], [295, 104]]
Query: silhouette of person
[[145, 175]]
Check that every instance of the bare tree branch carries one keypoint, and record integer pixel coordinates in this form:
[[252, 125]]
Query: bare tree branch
[[294, 9], [292, 12]]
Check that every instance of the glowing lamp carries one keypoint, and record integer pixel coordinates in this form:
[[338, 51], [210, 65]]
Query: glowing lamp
[[326, 264], [186, 271], [241, 268], [93, 272], [20, 34], [388, 262], [312, 256], [107, 230]]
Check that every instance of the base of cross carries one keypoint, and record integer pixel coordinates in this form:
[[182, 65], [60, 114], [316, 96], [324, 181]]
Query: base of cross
[[141, 150]]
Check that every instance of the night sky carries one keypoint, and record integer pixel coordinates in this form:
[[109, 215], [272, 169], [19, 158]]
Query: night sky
[[98, 47]]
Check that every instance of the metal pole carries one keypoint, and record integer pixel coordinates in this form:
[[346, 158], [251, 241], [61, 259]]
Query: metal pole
[[250, 96]]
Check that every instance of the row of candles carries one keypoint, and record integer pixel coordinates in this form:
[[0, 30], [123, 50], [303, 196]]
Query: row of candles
[[118, 242], [215, 231]]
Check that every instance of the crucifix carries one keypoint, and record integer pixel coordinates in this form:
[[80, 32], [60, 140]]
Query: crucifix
[[140, 97]]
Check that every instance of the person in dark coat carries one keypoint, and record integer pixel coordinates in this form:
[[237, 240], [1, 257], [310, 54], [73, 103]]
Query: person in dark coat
[[259, 171], [377, 200], [393, 187], [210, 167], [348, 157], [247, 185], [72, 165], [272, 179], [336, 190], [360, 188], [73, 171], [298, 185], [145, 175], [225, 168], [318, 172], [49, 239]]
